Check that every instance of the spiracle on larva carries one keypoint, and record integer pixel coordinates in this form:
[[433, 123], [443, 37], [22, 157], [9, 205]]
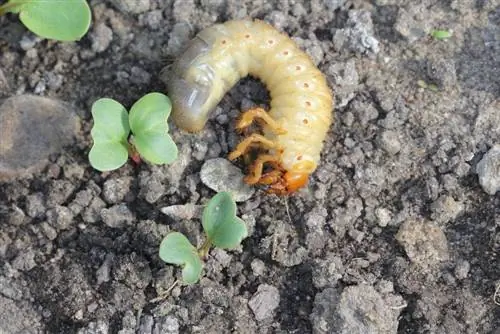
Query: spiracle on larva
[[301, 112]]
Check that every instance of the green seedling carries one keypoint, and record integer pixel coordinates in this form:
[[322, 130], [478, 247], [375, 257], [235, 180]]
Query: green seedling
[[441, 34], [176, 249], [147, 121], [222, 228], [67, 20]]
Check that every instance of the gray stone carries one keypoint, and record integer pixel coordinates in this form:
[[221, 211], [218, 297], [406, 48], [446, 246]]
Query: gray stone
[[25, 260], [264, 302], [139, 76], [488, 170], [410, 28], [132, 6], [115, 190], [284, 244], [18, 318], [73, 171], [327, 272], [184, 212], [98, 327], [154, 19], [183, 9], [133, 270], [384, 216], [258, 267], [151, 189], [446, 209], [167, 325], [117, 216], [389, 142], [49, 231], [358, 35], [60, 217], [29, 41], [59, 192], [17, 216], [424, 242], [35, 205], [101, 37], [221, 175], [334, 4], [93, 212], [358, 309], [103, 274], [31, 129], [462, 269]]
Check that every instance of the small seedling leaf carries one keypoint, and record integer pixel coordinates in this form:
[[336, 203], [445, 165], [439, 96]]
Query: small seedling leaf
[[441, 34], [157, 149], [148, 122], [105, 157], [110, 133], [175, 248], [66, 20], [150, 114], [223, 228]]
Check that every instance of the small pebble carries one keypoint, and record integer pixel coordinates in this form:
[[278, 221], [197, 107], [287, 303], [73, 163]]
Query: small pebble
[[424, 242], [389, 142], [383, 216], [101, 37], [220, 175], [258, 267], [117, 216], [462, 269], [264, 301], [184, 212], [488, 170], [132, 6]]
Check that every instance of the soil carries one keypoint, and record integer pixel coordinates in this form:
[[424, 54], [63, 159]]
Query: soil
[[394, 233]]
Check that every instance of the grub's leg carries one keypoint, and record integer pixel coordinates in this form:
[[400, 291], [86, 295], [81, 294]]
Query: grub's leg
[[258, 166], [272, 177], [249, 141], [250, 115]]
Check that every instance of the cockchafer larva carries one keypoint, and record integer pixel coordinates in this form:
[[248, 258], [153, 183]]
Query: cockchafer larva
[[301, 102]]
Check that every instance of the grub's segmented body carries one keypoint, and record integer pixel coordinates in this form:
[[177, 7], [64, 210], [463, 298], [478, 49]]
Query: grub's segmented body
[[301, 101]]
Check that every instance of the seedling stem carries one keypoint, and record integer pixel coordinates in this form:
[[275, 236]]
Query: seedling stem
[[205, 248], [7, 7]]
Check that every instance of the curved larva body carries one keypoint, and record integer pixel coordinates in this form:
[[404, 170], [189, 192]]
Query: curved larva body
[[219, 56]]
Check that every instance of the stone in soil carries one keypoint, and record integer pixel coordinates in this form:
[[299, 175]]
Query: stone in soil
[[358, 309], [221, 175], [264, 301], [488, 170], [31, 129]]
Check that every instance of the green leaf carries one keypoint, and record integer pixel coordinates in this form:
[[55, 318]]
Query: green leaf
[[157, 149], [108, 156], [223, 228], [110, 133], [148, 121], [441, 34], [175, 248], [64, 20]]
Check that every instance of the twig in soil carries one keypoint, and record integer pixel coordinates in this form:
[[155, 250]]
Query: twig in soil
[[496, 295], [165, 294]]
